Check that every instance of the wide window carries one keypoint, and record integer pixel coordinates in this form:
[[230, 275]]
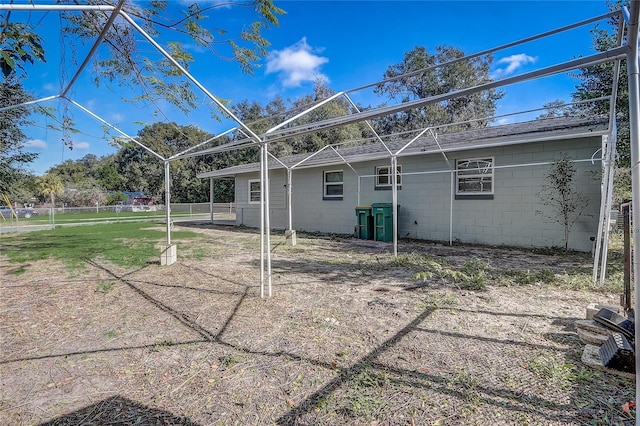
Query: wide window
[[254, 191], [333, 185], [383, 177], [474, 176]]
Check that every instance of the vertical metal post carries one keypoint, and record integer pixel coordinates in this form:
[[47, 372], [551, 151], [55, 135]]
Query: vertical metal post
[[211, 195], [633, 70], [289, 171], [451, 198], [627, 257], [267, 216], [394, 195], [262, 168], [167, 200]]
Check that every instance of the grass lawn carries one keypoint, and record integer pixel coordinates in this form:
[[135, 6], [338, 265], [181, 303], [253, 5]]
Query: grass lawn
[[125, 244]]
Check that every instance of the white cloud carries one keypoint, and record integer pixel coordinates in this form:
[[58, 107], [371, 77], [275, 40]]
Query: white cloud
[[81, 145], [35, 143], [117, 117], [513, 63], [49, 88], [297, 64]]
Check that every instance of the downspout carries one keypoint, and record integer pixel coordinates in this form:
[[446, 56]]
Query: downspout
[[633, 70]]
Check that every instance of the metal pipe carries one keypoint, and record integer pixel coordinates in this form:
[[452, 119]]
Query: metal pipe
[[211, 195], [452, 192], [111, 126], [289, 199], [262, 169], [303, 113], [35, 101], [394, 198], [203, 143], [96, 44], [495, 49], [595, 59], [633, 71], [167, 201], [267, 216]]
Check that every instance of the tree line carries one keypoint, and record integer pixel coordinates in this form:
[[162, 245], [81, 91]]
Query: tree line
[[92, 179]]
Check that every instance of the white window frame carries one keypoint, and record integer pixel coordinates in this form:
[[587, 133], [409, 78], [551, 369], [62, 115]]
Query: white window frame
[[325, 184], [250, 192], [480, 172], [379, 185]]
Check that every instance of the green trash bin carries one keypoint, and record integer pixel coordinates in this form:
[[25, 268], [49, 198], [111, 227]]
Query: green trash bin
[[383, 221], [364, 228]]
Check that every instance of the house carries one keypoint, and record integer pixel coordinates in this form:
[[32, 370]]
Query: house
[[476, 186]]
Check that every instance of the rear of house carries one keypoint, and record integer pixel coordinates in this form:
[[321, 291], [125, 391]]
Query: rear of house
[[480, 187]]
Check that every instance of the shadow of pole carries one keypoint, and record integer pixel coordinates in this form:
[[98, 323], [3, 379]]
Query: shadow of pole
[[348, 374]]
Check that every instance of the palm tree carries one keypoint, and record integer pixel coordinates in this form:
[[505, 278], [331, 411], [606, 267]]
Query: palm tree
[[50, 185]]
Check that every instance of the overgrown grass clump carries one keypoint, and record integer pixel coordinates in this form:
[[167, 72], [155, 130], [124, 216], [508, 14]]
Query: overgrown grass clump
[[123, 244]]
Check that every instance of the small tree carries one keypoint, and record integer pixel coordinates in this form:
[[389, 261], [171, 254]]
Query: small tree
[[50, 185], [565, 204]]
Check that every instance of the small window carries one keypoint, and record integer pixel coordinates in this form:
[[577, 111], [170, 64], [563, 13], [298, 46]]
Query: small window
[[254, 191], [333, 185], [474, 177], [383, 177]]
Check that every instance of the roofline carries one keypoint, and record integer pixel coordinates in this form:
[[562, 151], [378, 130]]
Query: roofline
[[497, 142]]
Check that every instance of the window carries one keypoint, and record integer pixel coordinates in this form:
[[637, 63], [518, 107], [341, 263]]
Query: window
[[383, 177], [333, 185], [474, 177], [254, 191]]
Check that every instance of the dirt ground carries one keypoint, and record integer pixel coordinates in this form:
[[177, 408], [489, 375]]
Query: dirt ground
[[349, 336]]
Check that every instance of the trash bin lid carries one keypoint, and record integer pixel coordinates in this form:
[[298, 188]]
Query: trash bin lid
[[389, 205]]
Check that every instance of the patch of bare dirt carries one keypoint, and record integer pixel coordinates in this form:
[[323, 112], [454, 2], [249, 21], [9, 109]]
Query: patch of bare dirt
[[349, 337]]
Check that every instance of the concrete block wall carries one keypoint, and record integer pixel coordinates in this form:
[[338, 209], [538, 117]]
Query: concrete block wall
[[427, 210]]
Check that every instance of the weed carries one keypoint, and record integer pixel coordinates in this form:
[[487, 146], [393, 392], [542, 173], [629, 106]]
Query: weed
[[526, 277], [112, 334], [104, 287], [466, 384], [472, 275], [554, 370], [363, 398], [228, 360], [18, 271]]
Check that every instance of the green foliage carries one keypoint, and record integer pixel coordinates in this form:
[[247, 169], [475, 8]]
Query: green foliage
[[564, 203], [50, 185], [114, 198], [363, 397], [12, 138], [554, 370], [597, 80], [104, 287], [18, 46], [129, 65], [471, 276], [526, 277], [432, 82]]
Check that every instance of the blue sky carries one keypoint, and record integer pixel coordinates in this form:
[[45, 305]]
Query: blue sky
[[346, 43]]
